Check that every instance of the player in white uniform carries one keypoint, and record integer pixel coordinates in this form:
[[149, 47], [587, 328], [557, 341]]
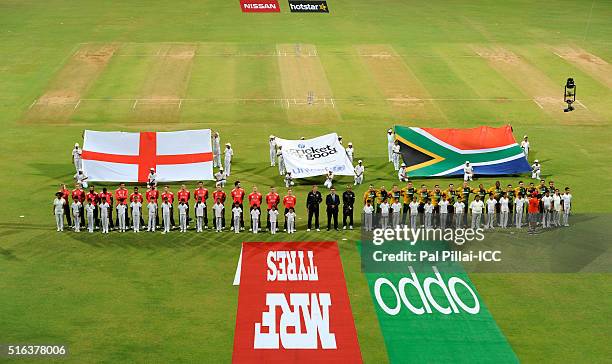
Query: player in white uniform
[[166, 209], [273, 216], [75, 207], [220, 178], [396, 155], [547, 206], [152, 178], [567, 205], [281, 161], [81, 178], [443, 211], [272, 142], [536, 169], [525, 146], [77, 157], [402, 174], [396, 211], [359, 170], [182, 207], [459, 208], [368, 209], [218, 211], [229, 153], [519, 210], [350, 151], [290, 221], [121, 211], [104, 209], [255, 220], [89, 211], [152, 206], [136, 208], [468, 172], [384, 214], [289, 180], [329, 180], [58, 211], [504, 210], [556, 218], [199, 209], [490, 220], [390, 141], [476, 208], [216, 149]]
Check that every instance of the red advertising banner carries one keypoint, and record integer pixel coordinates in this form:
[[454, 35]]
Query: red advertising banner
[[293, 305], [259, 6]]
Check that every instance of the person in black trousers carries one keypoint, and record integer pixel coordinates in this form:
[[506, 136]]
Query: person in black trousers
[[348, 200], [312, 205], [332, 201]]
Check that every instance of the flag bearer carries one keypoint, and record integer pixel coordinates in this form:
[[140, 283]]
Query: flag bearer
[[229, 153], [350, 151], [468, 172], [77, 158], [390, 142], [272, 143], [216, 149], [536, 170], [359, 170], [396, 155]]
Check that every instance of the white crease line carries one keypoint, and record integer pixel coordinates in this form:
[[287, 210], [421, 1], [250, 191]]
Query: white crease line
[[135, 103], [180, 103], [537, 103], [32, 104], [333, 103], [581, 104], [77, 104], [558, 55]]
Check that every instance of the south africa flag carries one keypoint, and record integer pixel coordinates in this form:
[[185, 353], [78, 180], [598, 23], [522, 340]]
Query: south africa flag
[[430, 152]]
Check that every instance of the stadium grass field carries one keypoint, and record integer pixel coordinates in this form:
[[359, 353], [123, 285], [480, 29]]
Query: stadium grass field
[[68, 66]]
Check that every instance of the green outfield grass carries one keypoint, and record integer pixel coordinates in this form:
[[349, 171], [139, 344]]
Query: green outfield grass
[[67, 66]]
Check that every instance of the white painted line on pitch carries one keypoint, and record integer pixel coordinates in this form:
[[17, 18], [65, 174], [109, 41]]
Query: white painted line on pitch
[[77, 104], [333, 103], [581, 104], [558, 55], [135, 103], [539, 105], [180, 103], [32, 104]]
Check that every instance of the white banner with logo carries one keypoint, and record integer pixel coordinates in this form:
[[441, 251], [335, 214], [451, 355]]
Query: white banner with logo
[[315, 157]]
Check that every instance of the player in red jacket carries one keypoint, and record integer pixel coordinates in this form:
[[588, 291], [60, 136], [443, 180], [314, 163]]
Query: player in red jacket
[[168, 194], [289, 203], [272, 199], [66, 196], [80, 196], [219, 194], [121, 197], [93, 196], [238, 198], [255, 199], [202, 193]]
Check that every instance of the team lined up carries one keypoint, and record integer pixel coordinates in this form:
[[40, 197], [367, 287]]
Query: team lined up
[[545, 204], [92, 210]]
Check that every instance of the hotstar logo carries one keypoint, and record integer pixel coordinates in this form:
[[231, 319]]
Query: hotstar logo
[[305, 6], [428, 301]]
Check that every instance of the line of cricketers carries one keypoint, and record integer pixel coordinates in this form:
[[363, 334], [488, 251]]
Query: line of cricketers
[[92, 210], [501, 206]]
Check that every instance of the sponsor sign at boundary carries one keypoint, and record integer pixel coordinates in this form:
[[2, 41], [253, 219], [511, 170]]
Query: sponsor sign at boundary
[[293, 305], [259, 6], [307, 6]]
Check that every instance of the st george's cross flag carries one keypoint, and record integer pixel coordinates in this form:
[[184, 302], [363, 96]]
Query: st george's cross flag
[[128, 157], [433, 152]]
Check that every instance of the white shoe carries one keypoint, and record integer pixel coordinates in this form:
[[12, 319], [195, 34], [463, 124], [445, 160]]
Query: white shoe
[[307, 229], [351, 227], [318, 229]]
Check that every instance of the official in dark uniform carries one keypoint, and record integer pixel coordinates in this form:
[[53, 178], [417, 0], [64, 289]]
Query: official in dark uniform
[[348, 200], [312, 205], [333, 202]]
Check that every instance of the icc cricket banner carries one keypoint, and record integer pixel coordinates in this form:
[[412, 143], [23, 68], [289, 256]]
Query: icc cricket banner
[[293, 305], [315, 157], [432, 152], [128, 157]]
